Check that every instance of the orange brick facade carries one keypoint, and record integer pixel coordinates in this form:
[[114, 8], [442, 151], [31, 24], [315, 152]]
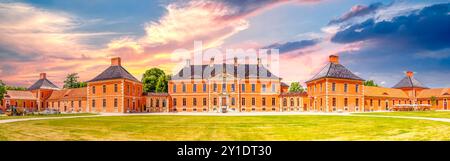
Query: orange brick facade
[[224, 92]]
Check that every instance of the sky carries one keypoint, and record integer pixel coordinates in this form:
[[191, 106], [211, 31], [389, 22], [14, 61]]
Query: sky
[[377, 40]]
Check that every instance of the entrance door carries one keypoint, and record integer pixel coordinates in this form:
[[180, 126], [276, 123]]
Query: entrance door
[[386, 105], [224, 104], [445, 104]]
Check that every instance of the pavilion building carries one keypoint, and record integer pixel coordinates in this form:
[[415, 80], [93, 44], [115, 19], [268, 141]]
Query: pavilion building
[[235, 87]]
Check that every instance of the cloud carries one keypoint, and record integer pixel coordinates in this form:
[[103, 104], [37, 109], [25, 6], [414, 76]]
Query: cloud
[[35, 40], [424, 29], [293, 45], [184, 22], [380, 40], [357, 11], [29, 32]]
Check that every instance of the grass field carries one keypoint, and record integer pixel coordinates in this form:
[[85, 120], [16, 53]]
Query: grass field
[[50, 115], [433, 114], [300, 127]]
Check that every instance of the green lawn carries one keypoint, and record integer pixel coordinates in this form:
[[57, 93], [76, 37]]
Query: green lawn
[[301, 127], [434, 114], [4, 117]]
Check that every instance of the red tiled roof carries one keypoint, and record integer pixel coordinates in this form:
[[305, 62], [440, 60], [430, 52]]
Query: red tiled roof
[[436, 92], [20, 95], [69, 94], [384, 92]]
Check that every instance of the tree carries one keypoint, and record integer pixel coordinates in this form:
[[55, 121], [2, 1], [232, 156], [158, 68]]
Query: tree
[[71, 81], [296, 87], [161, 85], [2, 91], [150, 79], [370, 83], [433, 100], [81, 84], [15, 88]]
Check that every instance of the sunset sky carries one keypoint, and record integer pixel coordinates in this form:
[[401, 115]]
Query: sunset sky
[[377, 40]]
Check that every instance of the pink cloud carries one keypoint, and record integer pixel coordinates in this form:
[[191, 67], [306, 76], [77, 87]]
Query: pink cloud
[[40, 40]]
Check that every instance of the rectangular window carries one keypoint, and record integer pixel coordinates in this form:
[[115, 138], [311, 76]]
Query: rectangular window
[[184, 101], [128, 89], [357, 88], [215, 87], [253, 87], [232, 88], [345, 102], [233, 101], [273, 102], [204, 87], [263, 87], [345, 87], [194, 101], [379, 103], [115, 88], [224, 87], [194, 87], [333, 87], [273, 87], [264, 101], [115, 103], [174, 88], [71, 103], [243, 88], [253, 101], [334, 102], [243, 101], [104, 103], [215, 101], [371, 102], [79, 104], [93, 103], [184, 88], [174, 102], [204, 101], [93, 89], [104, 88]]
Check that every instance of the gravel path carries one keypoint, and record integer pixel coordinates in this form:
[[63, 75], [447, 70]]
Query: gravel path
[[226, 114]]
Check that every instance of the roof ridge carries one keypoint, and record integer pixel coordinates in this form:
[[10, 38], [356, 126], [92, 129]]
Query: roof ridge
[[328, 72], [410, 81]]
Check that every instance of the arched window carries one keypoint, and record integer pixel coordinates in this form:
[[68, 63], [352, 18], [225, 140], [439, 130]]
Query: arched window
[[292, 101], [284, 102]]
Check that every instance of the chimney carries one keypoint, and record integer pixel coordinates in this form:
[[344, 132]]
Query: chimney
[[211, 61], [409, 73], [235, 61], [43, 76], [334, 59], [116, 61]]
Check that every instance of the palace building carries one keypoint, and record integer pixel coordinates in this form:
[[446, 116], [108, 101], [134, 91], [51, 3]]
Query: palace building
[[235, 87]]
